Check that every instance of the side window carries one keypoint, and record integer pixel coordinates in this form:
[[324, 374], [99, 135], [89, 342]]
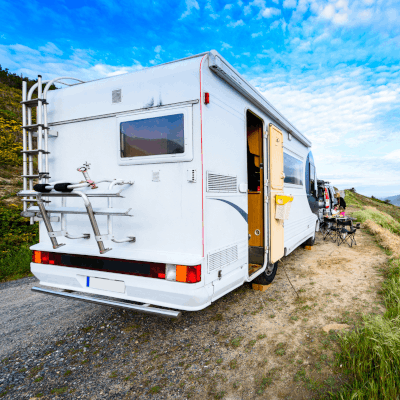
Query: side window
[[152, 136], [310, 175], [293, 169], [312, 180]]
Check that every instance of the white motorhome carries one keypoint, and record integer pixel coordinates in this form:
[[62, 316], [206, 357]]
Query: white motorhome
[[163, 189]]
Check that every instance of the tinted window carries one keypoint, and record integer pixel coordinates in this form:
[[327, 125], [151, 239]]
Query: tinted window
[[310, 175], [152, 136], [312, 179], [293, 170]]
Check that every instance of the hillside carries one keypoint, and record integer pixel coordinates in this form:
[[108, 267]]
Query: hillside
[[358, 200]]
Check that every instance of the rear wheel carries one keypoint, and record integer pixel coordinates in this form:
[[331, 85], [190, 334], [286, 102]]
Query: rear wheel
[[268, 275], [311, 241]]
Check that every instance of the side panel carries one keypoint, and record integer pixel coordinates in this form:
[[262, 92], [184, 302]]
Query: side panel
[[276, 187]]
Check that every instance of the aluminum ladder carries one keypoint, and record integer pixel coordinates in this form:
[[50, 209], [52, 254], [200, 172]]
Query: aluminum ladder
[[40, 130]]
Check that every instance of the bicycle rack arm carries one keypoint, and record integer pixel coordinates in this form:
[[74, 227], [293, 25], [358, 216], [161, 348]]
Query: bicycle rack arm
[[47, 222], [93, 222]]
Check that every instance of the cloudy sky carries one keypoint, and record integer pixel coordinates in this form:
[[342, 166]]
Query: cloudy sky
[[331, 67]]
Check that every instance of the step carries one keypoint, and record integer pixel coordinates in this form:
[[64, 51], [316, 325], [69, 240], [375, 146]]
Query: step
[[34, 102], [42, 175], [36, 151], [32, 128], [80, 210]]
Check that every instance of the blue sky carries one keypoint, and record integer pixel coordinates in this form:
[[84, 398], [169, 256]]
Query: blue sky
[[331, 67]]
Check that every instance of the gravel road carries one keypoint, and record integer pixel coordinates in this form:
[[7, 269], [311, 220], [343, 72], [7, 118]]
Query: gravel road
[[29, 317], [247, 345]]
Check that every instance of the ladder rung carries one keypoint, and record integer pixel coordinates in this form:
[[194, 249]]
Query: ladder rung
[[36, 151], [30, 176], [29, 200], [79, 210], [34, 102], [33, 127]]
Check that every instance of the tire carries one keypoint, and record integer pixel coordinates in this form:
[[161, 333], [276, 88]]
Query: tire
[[311, 241], [268, 275]]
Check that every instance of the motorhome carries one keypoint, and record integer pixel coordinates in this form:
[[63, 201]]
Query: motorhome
[[164, 189]]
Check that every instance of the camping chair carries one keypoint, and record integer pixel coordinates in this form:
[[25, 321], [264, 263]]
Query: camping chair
[[345, 235], [330, 229]]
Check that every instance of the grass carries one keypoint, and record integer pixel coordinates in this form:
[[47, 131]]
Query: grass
[[381, 218], [15, 264], [371, 353]]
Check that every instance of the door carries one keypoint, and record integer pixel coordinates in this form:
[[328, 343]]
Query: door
[[276, 181], [255, 178]]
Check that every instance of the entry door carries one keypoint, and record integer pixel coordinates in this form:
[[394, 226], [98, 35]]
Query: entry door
[[276, 182]]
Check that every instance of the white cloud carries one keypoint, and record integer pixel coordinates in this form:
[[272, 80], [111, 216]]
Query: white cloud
[[79, 64], [344, 113], [225, 46], [270, 12], [290, 4], [235, 24], [393, 156], [254, 35], [190, 5]]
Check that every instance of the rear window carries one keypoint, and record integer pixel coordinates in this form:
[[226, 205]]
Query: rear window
[[293, 169], [153, 136]]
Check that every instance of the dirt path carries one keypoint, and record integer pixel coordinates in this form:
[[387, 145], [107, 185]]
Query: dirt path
[[248, 344]]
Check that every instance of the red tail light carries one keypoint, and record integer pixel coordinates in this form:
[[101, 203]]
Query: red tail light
[[181, 273]]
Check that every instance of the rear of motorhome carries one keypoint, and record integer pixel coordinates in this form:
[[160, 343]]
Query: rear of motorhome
[[163, 189]]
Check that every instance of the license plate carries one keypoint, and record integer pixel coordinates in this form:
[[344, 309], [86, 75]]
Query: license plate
[[109, 285]]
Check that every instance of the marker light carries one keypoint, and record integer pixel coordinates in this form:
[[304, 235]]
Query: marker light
[[206, 98]]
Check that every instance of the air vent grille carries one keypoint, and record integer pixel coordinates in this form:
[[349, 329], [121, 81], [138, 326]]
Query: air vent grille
[[156, 176], [222, 258], [217, 183], [116, 96]]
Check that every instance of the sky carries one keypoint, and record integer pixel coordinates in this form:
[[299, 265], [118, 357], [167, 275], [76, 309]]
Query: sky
[[331, 67]]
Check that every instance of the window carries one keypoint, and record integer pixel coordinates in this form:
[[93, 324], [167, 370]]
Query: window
[[310, 175], [312, 179], [152, 136], [293, 170]]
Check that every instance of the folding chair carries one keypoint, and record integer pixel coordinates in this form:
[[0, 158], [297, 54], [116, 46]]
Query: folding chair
[[330, 229], [345, 235]]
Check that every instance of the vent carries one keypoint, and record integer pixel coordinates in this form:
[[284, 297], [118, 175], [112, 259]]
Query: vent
[[217, 183], [222, 258], [116, 96], [192, 175], [156, 176]]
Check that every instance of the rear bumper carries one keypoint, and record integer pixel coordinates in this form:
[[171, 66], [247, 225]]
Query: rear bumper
[[159, 292], [161, 312]]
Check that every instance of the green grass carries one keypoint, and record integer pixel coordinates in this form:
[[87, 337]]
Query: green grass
[[358, 200], [381, 218], [372, 353], [15, 264]]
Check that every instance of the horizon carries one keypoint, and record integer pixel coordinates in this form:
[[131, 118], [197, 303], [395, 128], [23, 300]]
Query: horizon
[[331, 67]]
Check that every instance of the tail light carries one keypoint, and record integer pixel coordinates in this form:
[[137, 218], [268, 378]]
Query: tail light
[[45, 257], [183, 273], [170, 272]]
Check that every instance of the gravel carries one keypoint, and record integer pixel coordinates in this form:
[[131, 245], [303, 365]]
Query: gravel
[[53, 347], [243, 346]]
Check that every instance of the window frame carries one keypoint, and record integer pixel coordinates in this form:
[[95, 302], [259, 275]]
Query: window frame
[[298, 158], [187, 155]]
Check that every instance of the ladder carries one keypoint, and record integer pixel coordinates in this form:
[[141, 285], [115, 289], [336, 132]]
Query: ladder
[[35, 194], [41, 130]]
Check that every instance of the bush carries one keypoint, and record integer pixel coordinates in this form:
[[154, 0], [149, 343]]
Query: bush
[[15, 264], [10, 145], [16, 236]]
